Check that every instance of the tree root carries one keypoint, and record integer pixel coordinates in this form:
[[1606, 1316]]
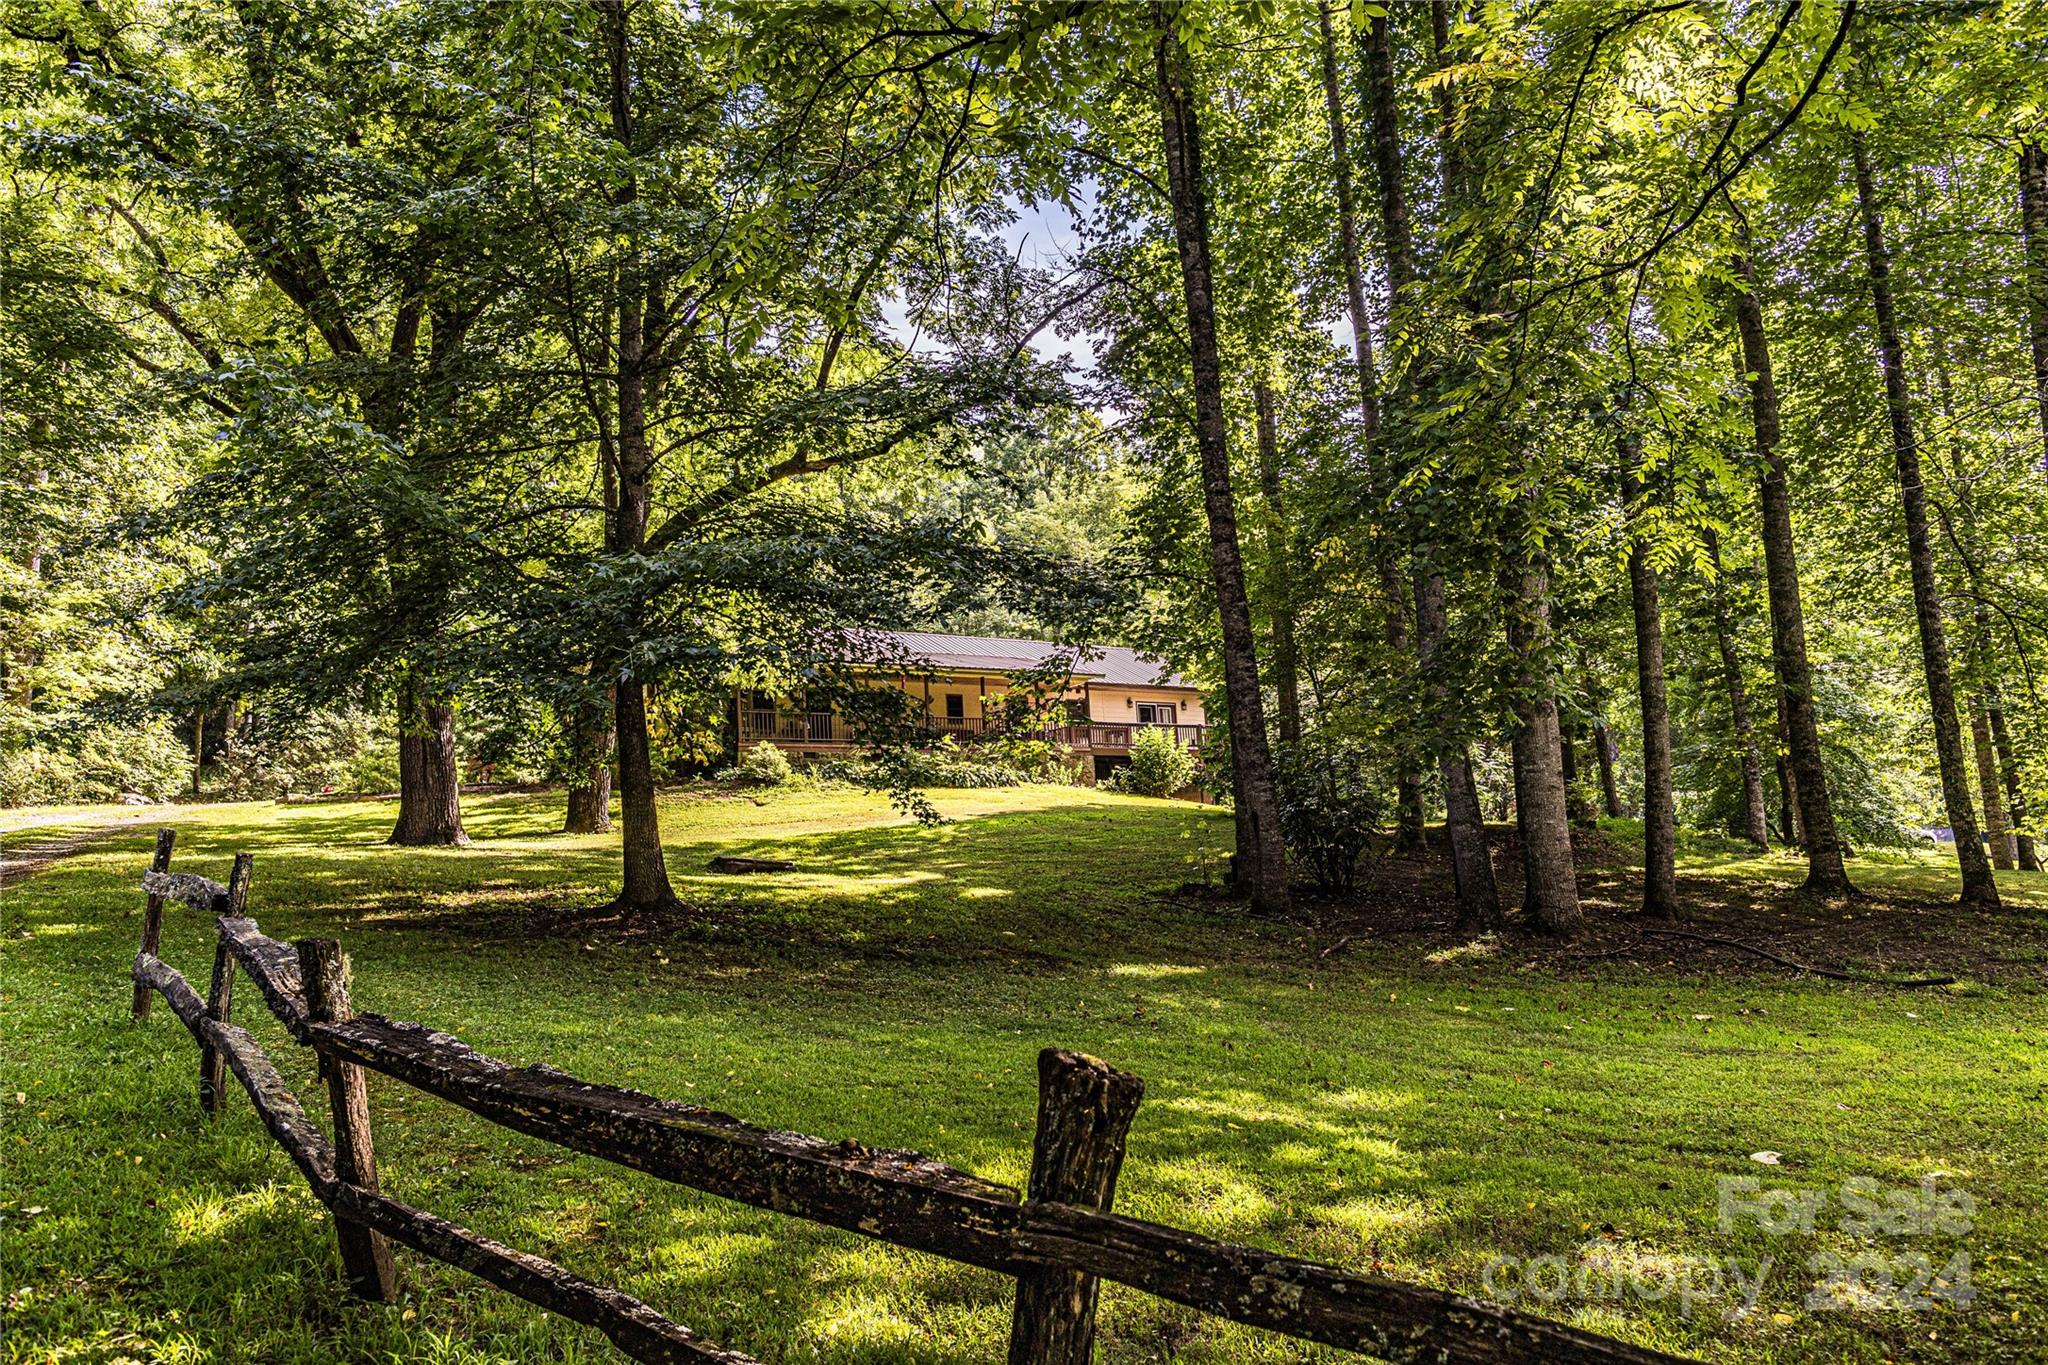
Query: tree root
[[1909, 983]]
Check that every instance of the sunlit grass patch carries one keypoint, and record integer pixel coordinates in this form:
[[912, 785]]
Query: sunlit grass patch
[[897, 989]]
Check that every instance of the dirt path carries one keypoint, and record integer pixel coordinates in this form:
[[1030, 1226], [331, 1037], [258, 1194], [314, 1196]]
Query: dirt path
[[22, 861]]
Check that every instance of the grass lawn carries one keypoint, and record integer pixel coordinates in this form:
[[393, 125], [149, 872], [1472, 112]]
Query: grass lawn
[[1367, 1099]]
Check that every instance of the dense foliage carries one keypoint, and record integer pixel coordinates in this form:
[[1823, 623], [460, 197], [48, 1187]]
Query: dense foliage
[[1543, 410]]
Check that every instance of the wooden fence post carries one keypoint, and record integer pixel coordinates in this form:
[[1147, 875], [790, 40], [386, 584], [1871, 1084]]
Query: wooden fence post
[[213, 1067], [1085, 1108], [364, 1253], [153, 919]]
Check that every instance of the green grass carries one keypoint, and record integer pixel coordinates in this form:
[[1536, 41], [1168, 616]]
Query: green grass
[[1371, 1106]]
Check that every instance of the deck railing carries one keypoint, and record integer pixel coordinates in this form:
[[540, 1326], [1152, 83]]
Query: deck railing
[[1057, 1241], [1096, 735], [801, 728]]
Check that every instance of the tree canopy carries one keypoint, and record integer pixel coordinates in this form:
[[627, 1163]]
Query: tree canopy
[[1549, 409]]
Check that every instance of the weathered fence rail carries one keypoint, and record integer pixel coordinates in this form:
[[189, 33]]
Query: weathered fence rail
[[1058, 1243]]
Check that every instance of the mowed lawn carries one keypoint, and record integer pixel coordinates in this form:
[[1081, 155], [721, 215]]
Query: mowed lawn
[[1388, 1105]]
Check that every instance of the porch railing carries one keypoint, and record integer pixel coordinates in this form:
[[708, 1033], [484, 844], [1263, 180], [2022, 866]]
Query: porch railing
[[1094, 735], [800, 728]]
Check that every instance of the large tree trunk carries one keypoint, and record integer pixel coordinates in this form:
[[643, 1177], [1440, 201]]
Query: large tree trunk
[[1755, 820], [1978, 887], [1814, 821], [1660, 831], [1286, 669], [1987, 789], [1550, 894], [2034, 231], [646, 881], [198, 746], [646, 874], [590, 803], [1261, 856], [590, 797], [2028, 855], [429, 785]]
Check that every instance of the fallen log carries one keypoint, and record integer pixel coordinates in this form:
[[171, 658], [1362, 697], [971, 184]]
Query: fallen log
[[738, 866]]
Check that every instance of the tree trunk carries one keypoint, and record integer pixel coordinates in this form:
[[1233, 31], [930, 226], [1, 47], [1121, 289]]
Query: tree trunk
[[1755, 822], [1978, 887], [590, 799], [1660, 830], [1347, 233], [1471, 860], [1603, 753], [1575, 806], [1660, 835], [1409, 835], [1814, 817], [1550, 885], [646, 875], [646, 885], [1987, 788], [2027, 854], [590, 803], [198, 746], [1262, 858], [429, 786], [1988, 710], [1791, 813], [1286, 670], [2034, 231]]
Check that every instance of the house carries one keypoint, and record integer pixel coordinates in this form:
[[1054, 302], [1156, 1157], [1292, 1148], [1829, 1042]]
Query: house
[[956, 683]]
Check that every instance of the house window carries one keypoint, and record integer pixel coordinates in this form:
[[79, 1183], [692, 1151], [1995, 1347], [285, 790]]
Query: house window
[[956, 706], [1155, 713]]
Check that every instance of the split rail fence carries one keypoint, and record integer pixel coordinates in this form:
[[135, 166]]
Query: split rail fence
[[1058, 1241]]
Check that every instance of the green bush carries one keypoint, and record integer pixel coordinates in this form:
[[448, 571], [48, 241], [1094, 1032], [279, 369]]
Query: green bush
[[916, 769], [272, 755], [1033, 759], [1160, 765], [96, 761], [765, 764], [1331, 796]]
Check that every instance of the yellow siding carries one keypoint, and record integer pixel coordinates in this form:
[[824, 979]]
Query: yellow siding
[[1110, 703]]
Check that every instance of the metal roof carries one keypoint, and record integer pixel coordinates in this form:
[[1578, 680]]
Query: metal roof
[[987, 654]]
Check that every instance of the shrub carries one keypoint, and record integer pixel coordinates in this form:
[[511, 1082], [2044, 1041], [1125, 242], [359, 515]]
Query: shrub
[[275, 755], [1033, 759], [1160, 765], [1331, 794], [96, 761], [765, 764], [914, 769]]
